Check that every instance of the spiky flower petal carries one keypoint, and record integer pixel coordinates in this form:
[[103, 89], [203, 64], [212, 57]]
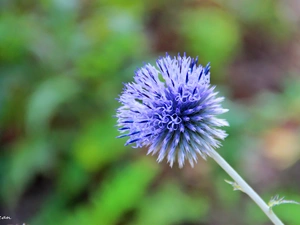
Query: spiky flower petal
[[172, 109]]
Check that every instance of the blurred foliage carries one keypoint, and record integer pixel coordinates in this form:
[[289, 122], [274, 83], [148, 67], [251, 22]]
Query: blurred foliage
[[213, 31], [62, 64]]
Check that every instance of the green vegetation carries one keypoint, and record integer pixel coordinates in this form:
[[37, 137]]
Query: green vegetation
[[62, 64]]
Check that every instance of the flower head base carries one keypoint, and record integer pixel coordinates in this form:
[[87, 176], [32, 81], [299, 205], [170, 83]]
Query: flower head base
[[172, 109]]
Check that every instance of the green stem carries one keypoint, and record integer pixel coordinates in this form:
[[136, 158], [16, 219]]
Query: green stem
[[246, 188]]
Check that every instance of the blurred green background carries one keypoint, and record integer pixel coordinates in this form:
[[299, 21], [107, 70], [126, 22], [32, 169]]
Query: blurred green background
[[63, 63]]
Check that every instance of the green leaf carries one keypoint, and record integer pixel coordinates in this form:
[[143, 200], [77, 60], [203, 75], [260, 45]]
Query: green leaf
[[171, 205], [212, 34], [72, 179], [13, 38], [45, 101], [121, 192], [97, 144], [29, 158]]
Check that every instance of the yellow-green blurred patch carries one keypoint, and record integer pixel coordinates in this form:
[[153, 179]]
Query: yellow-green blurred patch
[[212, 34], [97, 145]]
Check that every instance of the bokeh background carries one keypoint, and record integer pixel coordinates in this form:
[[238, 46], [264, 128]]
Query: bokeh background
[[63, 64]]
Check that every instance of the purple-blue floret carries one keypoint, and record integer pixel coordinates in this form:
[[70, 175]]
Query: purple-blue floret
[[172, 109]]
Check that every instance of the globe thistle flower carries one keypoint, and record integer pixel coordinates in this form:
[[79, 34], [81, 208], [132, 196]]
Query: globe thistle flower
[[172, 109]]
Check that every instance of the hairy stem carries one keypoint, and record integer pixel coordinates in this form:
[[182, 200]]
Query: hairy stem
[[245, 187]]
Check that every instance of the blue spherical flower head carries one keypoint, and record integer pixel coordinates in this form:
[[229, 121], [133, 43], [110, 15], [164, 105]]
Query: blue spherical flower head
[[172, 109]]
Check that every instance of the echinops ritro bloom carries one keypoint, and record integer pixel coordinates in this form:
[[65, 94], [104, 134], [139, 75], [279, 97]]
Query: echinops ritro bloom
[[172, 108]]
